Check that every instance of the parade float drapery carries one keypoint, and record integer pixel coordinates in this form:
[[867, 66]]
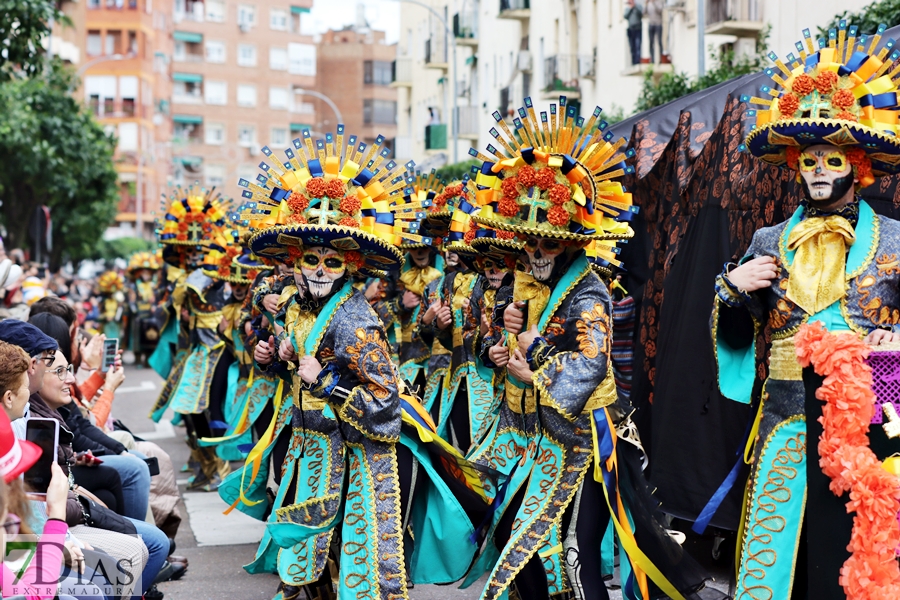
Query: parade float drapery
[[701, 200]]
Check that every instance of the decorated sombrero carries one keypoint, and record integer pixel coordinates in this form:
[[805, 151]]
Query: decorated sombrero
[[349, 198], [110, 282], [559, 181], [142, 260], [191, 216], [424, 188], [226, 258], [836, 92]]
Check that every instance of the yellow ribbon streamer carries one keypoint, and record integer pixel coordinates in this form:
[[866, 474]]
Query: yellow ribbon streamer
[[528, 289], [817, 278]]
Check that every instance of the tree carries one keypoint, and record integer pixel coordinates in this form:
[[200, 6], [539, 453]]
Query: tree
[[23, 25], [671, 86], [867, 18], [455, 171], [53, 152]]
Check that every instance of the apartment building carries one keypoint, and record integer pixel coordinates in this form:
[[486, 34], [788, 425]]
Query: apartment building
[[239, 70], [508, 49], [355, 73], [119, 49]]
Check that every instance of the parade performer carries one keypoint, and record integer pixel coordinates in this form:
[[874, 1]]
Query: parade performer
[[557, 431], [111, 305], [832, 266], [143, 269], [466, 400], [342, 217], [198, 381]]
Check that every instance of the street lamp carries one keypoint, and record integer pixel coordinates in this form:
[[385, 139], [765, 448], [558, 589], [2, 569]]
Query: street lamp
[[96, 61], [451, 40], [324, 98]]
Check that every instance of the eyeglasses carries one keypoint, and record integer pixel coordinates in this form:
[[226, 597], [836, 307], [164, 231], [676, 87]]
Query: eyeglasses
[[63, 372], [12, 524], [48, 359]]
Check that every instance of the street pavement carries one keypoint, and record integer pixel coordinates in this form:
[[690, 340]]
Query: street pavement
[[218, 545]]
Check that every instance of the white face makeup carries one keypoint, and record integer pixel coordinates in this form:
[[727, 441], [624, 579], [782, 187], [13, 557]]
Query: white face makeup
[[452, 259], [542, 254], [420, 257], [824, 170], [320, 268], [494, 271]]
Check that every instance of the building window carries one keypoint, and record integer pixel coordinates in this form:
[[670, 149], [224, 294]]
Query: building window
[[377, 72], [180, 53], [215, 51], [217, 93], [215, 11], [128, 137], [279, 136], [246, 15], [246, 135], [302, 59], [187, 91], [215, 174], [128, 93], [379, 112], [112, 42], [278, 19], [246, 55], [278, 98], [94, 44], [215, 134], [278, 59], [246, 95], [94, 4]]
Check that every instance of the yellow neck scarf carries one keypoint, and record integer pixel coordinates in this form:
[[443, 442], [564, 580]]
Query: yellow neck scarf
[[416, 278], [817, 275], [527, 288]]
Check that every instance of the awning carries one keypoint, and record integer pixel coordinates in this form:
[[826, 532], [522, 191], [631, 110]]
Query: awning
[[300, 126], [190, 161], [188, 36], [188, 119], [471, 59], [299, 10], [188, 77]]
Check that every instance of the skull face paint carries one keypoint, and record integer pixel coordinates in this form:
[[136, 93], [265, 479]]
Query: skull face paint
[[542, 254], [320, 267], [239, 291], [421, 257], [826, 173], [452, 259], [495, 270]]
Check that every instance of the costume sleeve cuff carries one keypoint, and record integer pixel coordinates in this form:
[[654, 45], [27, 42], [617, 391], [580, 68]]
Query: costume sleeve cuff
[[537, 353], [729, 293], [326, 382]]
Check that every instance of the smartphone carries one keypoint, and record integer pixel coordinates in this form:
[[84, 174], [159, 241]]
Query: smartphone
[[110, 349], [45, 434], [153, 465]]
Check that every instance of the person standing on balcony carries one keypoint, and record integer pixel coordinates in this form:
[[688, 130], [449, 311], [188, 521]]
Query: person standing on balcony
[[654, 15], [634, 14]]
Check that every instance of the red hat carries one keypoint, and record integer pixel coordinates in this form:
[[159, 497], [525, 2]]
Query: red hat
[[16, 456]]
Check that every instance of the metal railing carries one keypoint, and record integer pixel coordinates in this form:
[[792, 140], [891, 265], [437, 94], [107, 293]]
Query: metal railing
[[465, 25], [718, 11], [435, 50], [401, 70], [467, 120], [561, 72], [514, 5]]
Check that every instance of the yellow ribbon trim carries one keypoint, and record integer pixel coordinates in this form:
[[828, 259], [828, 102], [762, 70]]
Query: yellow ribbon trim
[[817, 275], [416, 278], [643, 566], [528, 289], [254, 459]]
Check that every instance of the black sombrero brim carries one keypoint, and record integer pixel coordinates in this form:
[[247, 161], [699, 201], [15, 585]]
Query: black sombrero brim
[[769, 142], [379, 254], [492, 245], [552, 233]]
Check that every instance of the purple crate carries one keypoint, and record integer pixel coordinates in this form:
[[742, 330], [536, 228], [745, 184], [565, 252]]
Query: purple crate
[[885, 380]]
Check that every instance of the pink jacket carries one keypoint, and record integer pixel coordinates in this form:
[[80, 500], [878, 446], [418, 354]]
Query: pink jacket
[[41, 578]]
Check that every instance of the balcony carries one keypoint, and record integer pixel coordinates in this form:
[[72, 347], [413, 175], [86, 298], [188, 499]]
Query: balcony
[[465, 28], [436, 54], [561, 73], [401, 72], [467, 118], [741, 18], [436, 137], [515, 9], [110, 108]]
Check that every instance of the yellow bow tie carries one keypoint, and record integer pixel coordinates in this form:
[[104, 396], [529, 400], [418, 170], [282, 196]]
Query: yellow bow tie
[[528, 289], [417, 278], [817, 275]]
